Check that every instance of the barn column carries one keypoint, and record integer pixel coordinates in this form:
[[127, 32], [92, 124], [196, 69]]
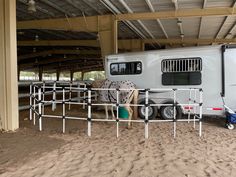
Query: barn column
[[107, 35], [58, 74], [71, 75], [40, 73], [133, 45], [9, 116]]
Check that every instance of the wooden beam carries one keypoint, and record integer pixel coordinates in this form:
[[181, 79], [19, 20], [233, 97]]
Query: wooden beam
[[55, 60], [90, 43], [51, 52], [131, 44], [91, 24]]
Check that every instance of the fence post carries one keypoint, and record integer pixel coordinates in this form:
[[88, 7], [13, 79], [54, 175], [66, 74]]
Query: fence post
[[63, 111], [40, 107], [89, 112], [54, 96], [70, 94], [117, 112], [43, 97], [200, 112], [189, 101], [174, 106], [194, 117], [30, 101], [34, 105], [146, 113]]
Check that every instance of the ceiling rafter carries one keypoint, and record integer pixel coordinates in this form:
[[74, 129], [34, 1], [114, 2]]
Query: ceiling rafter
[[91, 6], [115, 11], [59, 9], [201, 19], [73, 4], [179, 21], [139, 21], [38, 8], [222, 25], [158, 21]]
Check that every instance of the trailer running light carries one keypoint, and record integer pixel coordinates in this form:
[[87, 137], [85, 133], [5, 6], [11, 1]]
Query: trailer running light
[[188, 107], [215, 109]]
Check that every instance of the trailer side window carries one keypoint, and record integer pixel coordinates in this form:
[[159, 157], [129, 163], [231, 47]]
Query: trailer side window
[[126, 68], [182, 71]]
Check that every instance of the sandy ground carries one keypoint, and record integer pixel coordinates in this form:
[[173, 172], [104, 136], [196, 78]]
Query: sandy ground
[[28, 152]]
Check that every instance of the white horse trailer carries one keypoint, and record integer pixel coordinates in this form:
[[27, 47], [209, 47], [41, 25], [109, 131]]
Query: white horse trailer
[[212, 68]]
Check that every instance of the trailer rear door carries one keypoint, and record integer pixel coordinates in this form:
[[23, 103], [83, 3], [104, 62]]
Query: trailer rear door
[[230, 77]]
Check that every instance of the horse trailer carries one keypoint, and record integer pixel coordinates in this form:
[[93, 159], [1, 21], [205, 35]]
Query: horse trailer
[[212, 68]]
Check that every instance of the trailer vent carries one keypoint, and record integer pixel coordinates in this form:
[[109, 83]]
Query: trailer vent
[[181, 65]]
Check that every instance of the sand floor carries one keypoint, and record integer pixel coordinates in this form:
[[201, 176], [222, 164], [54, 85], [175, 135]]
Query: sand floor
[[29, 152]]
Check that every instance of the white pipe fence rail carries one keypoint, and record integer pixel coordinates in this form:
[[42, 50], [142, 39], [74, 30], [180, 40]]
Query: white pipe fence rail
[[37, 103]]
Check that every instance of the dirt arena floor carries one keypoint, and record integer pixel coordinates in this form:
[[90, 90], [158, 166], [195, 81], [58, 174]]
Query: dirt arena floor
[[30, 153]]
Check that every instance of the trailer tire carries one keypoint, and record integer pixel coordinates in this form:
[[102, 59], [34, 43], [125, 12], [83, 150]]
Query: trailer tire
[[152, 110], [166, 112]]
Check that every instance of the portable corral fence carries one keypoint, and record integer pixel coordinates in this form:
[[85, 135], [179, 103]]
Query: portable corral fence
[[39, 89], [28, 84]]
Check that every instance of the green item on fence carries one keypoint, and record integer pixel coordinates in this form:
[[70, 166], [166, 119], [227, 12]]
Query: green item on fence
[[123, 113]]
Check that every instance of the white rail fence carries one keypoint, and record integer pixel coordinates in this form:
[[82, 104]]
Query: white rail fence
[[37, 100]]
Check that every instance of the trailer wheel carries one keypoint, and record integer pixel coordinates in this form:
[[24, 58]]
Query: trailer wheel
[[152, 110], [230, 126], [167, 112]]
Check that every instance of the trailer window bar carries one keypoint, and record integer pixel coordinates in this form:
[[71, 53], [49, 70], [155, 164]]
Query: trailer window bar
[[181, 65]]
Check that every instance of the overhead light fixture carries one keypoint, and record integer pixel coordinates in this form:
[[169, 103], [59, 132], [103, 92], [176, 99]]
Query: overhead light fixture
[[31, 6], [36, 37], [179, 23]]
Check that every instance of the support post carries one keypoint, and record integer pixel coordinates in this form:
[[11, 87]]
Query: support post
[[58, 75], [9, 115], [40, 73], [71, 75], [108, 35]]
